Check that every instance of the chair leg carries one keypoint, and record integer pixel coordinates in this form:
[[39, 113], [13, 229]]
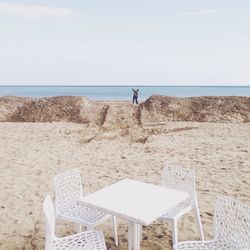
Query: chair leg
[[140, 232], [198, 219], [115, 230], [174, 232]]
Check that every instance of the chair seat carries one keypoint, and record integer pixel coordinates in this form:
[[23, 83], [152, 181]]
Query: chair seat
[[84, 215], [204, 245], [89, 240], [177, 211]]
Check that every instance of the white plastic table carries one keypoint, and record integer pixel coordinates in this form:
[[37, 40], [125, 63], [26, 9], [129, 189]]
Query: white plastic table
[[139, 203]]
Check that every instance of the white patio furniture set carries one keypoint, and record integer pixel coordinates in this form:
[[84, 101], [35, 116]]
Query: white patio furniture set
[[141, 204]]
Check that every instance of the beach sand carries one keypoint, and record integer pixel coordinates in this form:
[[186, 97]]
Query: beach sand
[[31, 154]]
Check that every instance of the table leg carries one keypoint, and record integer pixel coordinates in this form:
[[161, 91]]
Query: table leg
[[133, 236], [130, 235]]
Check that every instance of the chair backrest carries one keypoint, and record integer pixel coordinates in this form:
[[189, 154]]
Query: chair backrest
[[68, 189], [182, 179], [49, 212], [232, 222]]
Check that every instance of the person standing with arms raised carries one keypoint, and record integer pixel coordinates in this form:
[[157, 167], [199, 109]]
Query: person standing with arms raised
[[135, 96]]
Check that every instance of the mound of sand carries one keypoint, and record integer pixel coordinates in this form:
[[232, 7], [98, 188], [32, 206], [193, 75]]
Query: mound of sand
[[122, 117], [9, 105], [61, 108], [121, 114], [196, 109]]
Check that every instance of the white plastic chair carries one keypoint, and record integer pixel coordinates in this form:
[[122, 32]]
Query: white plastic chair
[[89, 240], [68, 189], [231, 228], [181, 179]]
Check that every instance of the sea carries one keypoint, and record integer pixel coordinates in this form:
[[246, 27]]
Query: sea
[[123, 92]]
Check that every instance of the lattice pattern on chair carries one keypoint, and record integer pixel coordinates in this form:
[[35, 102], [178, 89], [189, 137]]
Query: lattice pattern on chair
[[90, 215], [231, 228], [182, 179], [204, 245], [89, 240], [68, 190], [232, 222], [178, 209]]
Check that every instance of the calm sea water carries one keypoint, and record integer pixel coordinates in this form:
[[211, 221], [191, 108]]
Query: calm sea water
[[122, 92]]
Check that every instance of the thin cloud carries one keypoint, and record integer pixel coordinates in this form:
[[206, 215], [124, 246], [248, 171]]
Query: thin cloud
[[198, 12], [34, 11]]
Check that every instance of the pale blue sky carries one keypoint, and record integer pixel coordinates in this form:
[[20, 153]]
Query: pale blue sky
[[125, 42]]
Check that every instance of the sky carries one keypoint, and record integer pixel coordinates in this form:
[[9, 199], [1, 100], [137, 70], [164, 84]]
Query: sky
[[168, 42]]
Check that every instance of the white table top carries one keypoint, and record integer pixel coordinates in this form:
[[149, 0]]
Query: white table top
[[135, 201]]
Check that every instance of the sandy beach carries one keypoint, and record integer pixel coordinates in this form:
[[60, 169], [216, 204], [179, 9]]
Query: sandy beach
[[31, 154], [121, 90]]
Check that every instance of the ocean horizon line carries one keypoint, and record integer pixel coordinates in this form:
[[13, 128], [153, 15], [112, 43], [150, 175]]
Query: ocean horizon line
[[123, 92], [122, 85]]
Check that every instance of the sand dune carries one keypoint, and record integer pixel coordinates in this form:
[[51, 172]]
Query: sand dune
[[120, 113]]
